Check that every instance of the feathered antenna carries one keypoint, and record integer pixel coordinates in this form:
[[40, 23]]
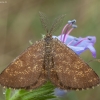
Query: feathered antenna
[[44, 21], [55, 25]]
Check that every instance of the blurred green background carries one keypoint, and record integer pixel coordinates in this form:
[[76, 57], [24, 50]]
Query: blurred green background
[[19, 23]]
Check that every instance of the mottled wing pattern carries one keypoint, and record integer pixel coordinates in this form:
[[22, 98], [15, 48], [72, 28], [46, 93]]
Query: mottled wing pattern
[[54, 78], [41, 80], [70, 71], [26, 69]]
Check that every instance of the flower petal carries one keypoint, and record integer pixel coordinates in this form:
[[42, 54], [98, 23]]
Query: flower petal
[[77, 50], [59, 92], [79, 45], [70, 38], [92, 49]]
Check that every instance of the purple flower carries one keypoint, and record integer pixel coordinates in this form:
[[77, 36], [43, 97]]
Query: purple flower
[[60, 92], [78, 45]]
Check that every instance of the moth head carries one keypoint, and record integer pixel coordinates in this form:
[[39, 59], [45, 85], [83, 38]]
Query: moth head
[[48, 38]]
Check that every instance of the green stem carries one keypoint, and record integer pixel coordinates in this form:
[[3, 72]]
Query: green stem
[[7, 94]]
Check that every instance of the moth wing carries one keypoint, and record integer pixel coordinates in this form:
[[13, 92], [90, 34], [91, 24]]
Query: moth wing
[[71, 72], [26, 69], [41, 80]]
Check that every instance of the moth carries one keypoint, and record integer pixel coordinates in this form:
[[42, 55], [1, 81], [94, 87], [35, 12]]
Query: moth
[[49, 60]]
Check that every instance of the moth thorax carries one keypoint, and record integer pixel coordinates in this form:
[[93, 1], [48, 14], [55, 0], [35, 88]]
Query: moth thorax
[[48, 38]]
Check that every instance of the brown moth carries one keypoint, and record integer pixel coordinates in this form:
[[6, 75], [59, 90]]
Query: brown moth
[[49, 59]]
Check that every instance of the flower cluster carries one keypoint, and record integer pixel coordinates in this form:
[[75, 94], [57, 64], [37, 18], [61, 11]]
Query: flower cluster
[[78, 45]]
